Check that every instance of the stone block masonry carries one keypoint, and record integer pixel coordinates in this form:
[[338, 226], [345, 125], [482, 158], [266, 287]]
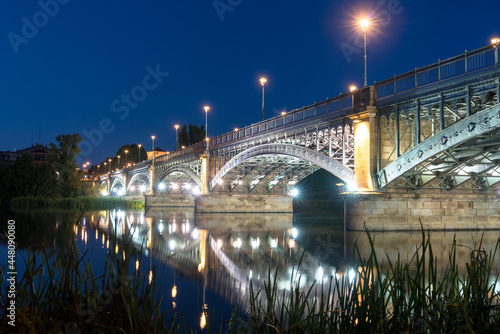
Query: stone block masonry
[[394, 211], [244, 203]]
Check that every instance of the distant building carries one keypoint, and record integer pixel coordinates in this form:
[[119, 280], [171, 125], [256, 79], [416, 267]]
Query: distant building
[[158, 152], [38, 152]]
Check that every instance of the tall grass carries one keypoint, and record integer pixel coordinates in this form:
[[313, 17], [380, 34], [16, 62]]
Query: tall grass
[[85, 203], [408, 298]]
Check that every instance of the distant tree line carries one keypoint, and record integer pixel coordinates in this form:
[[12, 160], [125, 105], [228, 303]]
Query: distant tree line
[[133, 154], [56, 177]]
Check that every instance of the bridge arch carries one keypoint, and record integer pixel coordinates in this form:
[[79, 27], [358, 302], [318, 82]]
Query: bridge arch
[[104, 185], [311, 156], [183, 170], [116, 180], [138, 177]]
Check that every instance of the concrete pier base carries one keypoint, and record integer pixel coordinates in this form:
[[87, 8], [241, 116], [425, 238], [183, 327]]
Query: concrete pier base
[[436, 211], [244, 203], [169, 200]]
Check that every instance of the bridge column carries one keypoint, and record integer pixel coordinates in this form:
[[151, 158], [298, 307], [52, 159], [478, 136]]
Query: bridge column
[[125, 192], [365, 149], [152, 183], [205, 172]]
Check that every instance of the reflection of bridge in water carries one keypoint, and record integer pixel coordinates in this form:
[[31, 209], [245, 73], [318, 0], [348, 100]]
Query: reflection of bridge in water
[[225, 252]]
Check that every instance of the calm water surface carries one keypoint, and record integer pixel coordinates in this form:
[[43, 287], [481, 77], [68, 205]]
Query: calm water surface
[[209, 259]]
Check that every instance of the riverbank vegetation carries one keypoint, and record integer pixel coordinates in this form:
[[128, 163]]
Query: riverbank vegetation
[[62, 294], [83, 203], [57, 177]]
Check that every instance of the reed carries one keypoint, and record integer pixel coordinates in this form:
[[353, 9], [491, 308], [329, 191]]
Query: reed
[[408, 298]]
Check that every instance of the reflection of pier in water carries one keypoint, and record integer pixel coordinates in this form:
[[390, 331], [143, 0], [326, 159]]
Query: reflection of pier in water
[[223, 251]]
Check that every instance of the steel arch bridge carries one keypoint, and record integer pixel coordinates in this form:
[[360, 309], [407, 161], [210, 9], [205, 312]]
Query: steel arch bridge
[[435, 128]]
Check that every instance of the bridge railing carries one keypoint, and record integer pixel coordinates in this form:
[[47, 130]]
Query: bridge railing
[[461, 65], [195, 148], [341, 103]]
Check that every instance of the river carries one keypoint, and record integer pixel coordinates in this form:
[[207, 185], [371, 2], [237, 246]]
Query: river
[[208, 260]]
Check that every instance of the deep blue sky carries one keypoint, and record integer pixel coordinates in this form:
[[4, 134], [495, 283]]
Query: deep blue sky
[[65, 77]]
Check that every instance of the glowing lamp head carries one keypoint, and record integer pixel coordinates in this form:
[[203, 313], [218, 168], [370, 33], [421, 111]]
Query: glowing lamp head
[[176, 126], [283, 113], [207, 108], [153, 137], [236, 129], [294, 192], [126, 151], [495, 41], [364, 24], [353, 88], [263, 81], [139, 145]]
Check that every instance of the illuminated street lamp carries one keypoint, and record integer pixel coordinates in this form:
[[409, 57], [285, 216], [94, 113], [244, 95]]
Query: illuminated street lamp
[[495, 41], [153, 139], [109, 165], [126, 157], [139, 152], [118, 161], [207, 108], [262, 82], [353, 88], [364, 25], [176, 126]]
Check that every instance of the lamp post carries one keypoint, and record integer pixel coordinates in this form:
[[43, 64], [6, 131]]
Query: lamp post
[[139, 152], [176, 126], [99, 169], [153, 139], [118, 161], [262, 82], [207, 108], [126, 157], [283, 113], [364, 25], [495, 41], [109, 165]]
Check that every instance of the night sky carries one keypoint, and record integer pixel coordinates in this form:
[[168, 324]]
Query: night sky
[[71, 70]]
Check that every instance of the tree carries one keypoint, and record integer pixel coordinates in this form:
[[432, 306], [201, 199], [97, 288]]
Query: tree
[[23, 178], [63, 160], [183, 136], [192, 134]]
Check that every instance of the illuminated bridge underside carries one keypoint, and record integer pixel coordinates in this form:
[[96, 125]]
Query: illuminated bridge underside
[[181, 175], [465, 155], [270, 168]]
